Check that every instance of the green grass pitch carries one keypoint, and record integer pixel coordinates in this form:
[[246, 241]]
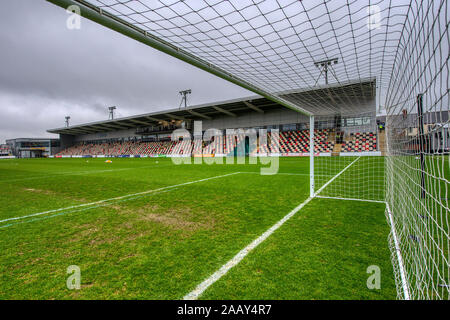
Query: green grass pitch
[[162, 244]]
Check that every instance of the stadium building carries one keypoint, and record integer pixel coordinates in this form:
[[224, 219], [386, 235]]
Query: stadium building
[[5, 151], [350, 127], [33, 147]]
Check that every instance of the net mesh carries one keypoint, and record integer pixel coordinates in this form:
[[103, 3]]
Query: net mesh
[[400, 47], [274, 44], [349, 149], [417, 165]]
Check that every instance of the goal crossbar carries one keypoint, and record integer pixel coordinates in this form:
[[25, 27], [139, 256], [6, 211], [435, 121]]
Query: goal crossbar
[[91, 12]]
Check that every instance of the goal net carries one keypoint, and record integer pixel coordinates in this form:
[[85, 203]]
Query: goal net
[[334, 52], [417, 162], [349, 157]]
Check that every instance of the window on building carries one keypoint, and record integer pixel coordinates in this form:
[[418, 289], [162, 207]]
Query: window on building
[[289, 127]]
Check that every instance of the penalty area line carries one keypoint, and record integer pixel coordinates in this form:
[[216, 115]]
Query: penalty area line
[[77, 173], [91, 204], [200, 289], [40, 218]]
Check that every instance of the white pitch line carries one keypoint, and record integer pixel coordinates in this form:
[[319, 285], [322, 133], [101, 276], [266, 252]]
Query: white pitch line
[[57, 174], [114, 199], [282, 173], [336, 176], [77, 173], [198, 291], [394, 234], [289, 174], [399, 255], [351, 199], [80, 210]]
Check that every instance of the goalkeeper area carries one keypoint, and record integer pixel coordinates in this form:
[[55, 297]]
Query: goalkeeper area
[[145, 228]]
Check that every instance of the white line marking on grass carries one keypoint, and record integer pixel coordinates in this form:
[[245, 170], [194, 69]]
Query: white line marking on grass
[[393, 230], [80, 210], [351, 199], [76, 173], [289, 174], [198, 291], [399, 255], [115, 198], [57, 174], [336, 176]]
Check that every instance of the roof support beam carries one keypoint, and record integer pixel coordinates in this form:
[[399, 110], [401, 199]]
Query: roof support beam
[[85, 130], [125, 124], [78, 131], [72, 133], [115, 23], [155, 119], [330, 95], [171, 116], [253, 107], [198, 114], [225, 111], [140, 122], [111, 126]]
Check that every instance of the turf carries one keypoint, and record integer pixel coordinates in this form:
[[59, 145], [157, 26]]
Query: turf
[[319, 254], [162, 244]]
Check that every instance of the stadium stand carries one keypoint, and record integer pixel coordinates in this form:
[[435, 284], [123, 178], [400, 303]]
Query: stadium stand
[[360, 141], [149, 134], [295, 141], [298, 141]]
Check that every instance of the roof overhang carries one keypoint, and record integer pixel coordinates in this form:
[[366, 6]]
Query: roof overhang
[[343, 98]]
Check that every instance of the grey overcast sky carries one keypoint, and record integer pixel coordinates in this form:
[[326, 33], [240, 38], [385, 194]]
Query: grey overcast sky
[[48, 71]]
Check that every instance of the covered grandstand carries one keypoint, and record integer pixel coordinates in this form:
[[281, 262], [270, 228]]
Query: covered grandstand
[[349, 127]]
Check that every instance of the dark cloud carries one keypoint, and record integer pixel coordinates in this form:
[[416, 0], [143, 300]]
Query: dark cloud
[[49, 71]]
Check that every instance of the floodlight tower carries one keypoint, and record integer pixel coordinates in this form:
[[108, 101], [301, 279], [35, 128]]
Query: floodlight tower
[[184, 94], [111, 112], [67, 121], [324, 65]]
